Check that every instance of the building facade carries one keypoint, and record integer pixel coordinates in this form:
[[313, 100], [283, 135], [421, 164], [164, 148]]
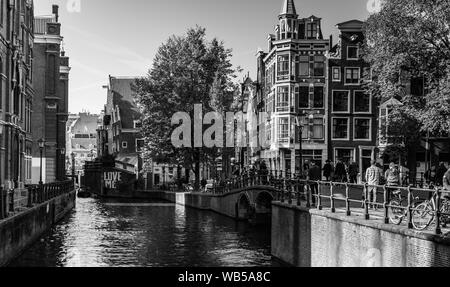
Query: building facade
[[50, 104], [16, 92], [294, 92], [352, 121], [81, 140]]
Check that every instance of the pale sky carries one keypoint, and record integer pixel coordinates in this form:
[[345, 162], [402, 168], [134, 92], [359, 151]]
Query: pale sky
[[120, 38]]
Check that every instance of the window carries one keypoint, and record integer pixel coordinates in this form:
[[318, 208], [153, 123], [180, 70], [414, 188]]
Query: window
[[346, 155], [139, 145], [137, 124], [283, 99], [318, 97], [302, 93], [283, 66], [362, 102], [341, 102], [319, 66], [124, 144], [283, 128], [362, 129], [311, 30], [318, 128], [304, 66], [336, 74], [352, 76], [340, 128], [352, 53]]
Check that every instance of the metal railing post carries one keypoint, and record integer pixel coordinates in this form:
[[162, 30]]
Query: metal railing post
[[438, 229], [366, 202], [290, 189], [298, 188], [347, 200], [319, 197], [410, 225], [333, 209], [386, 205]]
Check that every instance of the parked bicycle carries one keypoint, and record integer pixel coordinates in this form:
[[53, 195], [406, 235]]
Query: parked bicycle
[[397, 206], [424, 213]]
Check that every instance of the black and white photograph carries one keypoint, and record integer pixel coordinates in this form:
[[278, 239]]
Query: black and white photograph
[[245, 136]]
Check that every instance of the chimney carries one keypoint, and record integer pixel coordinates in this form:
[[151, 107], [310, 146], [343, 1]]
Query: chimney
[[55, 9]]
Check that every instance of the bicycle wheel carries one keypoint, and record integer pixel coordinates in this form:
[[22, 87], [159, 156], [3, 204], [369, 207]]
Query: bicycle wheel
[[422, 216], [396, 212]]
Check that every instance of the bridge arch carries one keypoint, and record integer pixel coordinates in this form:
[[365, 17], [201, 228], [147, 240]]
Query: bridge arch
[[243, 207]]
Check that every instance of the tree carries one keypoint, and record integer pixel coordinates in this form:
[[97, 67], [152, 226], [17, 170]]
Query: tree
[[184, 71], [407, 40]]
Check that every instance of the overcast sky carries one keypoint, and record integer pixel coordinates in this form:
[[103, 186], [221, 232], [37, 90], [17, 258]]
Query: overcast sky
[[120, 38]]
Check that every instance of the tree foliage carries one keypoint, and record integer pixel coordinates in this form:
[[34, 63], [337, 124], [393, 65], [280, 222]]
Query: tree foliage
[[410, 39], [187, 70]]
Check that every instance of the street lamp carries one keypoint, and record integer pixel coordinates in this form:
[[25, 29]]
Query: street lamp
[[301, 126], [41, 143]]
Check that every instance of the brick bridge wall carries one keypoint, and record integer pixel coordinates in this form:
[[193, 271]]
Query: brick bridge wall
[[303, 237]]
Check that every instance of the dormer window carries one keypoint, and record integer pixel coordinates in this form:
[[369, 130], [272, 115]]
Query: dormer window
[[311, 31]]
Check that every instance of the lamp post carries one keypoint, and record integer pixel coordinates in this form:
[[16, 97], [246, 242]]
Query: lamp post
[[301, 127], [41, 143]]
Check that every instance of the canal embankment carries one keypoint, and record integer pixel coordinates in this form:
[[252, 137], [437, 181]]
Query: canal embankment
[[21, 230]]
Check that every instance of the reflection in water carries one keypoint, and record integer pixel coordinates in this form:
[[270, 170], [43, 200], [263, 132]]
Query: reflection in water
[[112, 233]]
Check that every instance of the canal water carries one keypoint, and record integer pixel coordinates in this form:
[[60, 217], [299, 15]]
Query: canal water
[[101, 233]]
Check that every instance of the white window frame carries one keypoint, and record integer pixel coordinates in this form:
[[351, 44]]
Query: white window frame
[[357, 52], [323, 126], [345, 76], [124, 144], [354, 103], [340, 74], [136, 143], [348, 105], [344, 148], [370, 129], [348, 129]]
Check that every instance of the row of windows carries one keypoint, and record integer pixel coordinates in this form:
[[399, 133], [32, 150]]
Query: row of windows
[[295, 29], [362, 128], [305, 96], [341, 102], [312, 129]]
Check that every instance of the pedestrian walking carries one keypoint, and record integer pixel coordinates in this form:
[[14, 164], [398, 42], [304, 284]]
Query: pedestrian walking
[[314, 175], [373, 175], [340, 172], [327, 170], [353, 172], [430, 176]]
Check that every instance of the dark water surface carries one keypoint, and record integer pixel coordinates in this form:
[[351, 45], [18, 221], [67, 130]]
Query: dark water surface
[[116, 233]]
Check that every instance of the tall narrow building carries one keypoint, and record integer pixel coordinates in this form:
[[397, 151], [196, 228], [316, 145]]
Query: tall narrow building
[[50, 104], [295, 82], [16, 92]]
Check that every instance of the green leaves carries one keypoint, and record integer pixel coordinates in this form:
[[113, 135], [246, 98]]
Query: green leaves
[[187, 70], [410, 39]]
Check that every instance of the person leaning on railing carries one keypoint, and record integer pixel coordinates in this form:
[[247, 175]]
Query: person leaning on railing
[[373, 176], [392, 176]]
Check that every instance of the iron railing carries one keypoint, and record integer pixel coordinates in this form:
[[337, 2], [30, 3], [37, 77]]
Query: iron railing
[[36, 194], [397, 202]]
